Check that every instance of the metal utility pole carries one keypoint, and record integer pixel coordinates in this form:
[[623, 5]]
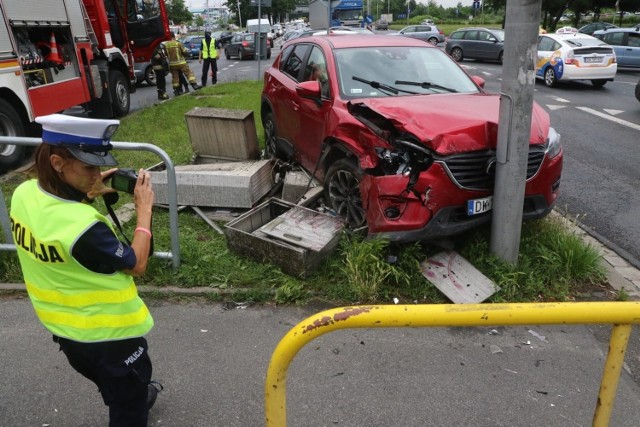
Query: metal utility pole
[[518, 77]]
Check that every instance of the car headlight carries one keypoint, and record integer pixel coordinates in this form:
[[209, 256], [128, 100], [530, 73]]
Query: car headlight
[[553, 143]]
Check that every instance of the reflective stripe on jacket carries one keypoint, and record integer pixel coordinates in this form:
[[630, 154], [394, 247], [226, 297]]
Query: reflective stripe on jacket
[[71, 301], [175, 52], [209, 50]]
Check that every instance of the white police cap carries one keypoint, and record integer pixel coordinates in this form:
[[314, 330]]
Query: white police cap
[[88, 140]]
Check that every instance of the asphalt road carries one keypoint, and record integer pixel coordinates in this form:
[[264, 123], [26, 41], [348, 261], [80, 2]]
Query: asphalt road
[[212, 361]]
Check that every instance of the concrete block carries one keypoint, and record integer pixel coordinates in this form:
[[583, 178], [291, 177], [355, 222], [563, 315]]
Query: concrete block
[[226, 185], [222, 132]]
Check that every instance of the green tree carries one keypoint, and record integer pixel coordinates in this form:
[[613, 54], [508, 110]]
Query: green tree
[[178, 12]]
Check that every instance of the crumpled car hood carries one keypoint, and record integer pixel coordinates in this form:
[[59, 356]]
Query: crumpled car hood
[[453, 123]]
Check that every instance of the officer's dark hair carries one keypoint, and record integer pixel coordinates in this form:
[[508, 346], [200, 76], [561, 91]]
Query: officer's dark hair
[[50, 180]]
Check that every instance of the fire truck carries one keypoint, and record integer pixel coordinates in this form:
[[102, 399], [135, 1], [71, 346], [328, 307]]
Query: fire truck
[[59, 54]]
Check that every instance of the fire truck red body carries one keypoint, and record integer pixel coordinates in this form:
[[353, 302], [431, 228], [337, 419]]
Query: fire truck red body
[[59, 54]]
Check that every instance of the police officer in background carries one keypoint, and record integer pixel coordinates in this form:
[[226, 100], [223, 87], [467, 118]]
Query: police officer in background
[[209, 55], [160, 65], [178, 64], [78, 275]]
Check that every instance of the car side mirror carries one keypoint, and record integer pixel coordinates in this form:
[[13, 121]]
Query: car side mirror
[[309, 89], [478, 80]]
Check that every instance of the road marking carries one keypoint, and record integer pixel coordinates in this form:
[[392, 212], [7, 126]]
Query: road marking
[[555, 107], [560, 99], [613, 112], [608, 117], [486, 73]]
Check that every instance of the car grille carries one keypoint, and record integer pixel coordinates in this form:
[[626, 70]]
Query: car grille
[[476, 170]]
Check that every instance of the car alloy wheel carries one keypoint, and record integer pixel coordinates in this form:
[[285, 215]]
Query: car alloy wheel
[[433, 41], [456, 53], [270, 135], [342, 190], [550, 77]]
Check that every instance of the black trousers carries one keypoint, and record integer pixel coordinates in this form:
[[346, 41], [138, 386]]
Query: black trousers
[[213, 62], [121, 370], [161, 82]]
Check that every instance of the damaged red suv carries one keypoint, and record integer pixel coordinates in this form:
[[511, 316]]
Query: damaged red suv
[[402, 138]]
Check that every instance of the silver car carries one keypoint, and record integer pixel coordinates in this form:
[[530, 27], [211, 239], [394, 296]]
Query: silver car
[[428, 33]]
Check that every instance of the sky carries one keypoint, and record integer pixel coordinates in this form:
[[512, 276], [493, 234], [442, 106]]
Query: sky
[[196, 4]]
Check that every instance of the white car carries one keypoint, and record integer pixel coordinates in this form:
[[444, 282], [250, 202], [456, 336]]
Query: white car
[[575, 56]]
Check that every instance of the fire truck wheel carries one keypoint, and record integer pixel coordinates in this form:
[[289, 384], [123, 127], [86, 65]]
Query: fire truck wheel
[[119, 93], [11, 156]]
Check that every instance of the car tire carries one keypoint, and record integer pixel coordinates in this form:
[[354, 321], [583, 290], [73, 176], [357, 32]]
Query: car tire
[[269, 55], [433, 41], [270, 135], [11, 156], [501, 58], [226, 54], [150, 76], [598, 82], [456, 54], [638, 91], [120, 97], [342, 192], [550, 79]]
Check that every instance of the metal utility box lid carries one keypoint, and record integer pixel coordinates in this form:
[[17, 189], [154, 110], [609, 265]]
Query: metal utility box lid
[[294, 238]]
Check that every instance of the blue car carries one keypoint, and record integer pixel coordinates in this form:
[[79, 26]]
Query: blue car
[[626, 44], [193, 45]]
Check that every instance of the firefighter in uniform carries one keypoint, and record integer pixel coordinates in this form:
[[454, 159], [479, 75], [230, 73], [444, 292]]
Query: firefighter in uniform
[[78, 275], [178, 64], [160, 67], [208, 56]]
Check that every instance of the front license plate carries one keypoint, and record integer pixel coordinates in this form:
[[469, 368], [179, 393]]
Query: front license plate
[[478, 206], [593, 60]]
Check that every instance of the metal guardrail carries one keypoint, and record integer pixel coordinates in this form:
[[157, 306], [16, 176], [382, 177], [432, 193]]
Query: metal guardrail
[[621, 314], [174, 255]]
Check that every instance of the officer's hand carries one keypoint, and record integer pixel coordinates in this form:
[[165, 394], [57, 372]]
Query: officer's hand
[[143, 193], [99, 188], [200, 60]]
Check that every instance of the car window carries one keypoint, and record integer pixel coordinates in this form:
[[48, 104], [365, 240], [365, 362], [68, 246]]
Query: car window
[[546, 44], [316, 69], [294, 62], [485, 36], [457, 35], [615, 38], [471, 35], [634, 40], [409, 30], [284, 57], [423, 29]]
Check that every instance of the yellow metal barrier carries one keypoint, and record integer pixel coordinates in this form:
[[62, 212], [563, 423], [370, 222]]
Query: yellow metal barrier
[[620, 314]]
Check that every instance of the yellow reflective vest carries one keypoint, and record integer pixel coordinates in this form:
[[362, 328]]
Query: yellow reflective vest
[[209, 51], [71, 301]]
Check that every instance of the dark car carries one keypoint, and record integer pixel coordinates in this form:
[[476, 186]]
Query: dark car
[[427, 33], [243, 46], [224, 37], [625, 43], [638, 91], [476, 43], [193, 45], [595, 26], [402, 138]]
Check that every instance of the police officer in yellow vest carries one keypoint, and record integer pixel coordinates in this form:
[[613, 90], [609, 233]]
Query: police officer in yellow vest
[[79, 276], [209, 56], [178, 64]]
